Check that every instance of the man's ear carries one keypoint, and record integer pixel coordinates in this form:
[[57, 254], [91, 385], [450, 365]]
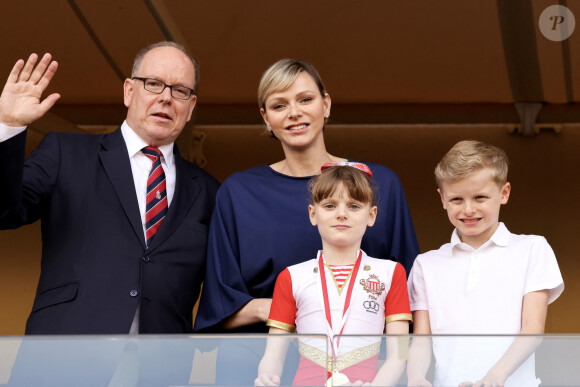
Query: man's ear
[[128, 88], [192, 102]]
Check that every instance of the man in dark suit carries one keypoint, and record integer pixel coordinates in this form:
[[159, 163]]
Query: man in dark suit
[[110, 263]]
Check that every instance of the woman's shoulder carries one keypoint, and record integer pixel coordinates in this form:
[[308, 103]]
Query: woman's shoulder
[[247, 177], [256, 171], [258, 177]]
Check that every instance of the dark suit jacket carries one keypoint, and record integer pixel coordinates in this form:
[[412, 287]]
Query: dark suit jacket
[[95, 267]]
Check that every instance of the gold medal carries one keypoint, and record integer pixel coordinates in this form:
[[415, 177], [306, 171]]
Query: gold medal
[[337, 379]]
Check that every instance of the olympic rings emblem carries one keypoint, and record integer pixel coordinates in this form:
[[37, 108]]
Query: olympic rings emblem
[[371, 306]]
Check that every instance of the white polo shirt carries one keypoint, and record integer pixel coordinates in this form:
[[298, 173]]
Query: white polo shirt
[[480, 291]]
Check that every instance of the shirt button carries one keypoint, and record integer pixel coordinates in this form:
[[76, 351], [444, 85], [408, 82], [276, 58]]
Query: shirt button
[[145, 259], [133, 293]]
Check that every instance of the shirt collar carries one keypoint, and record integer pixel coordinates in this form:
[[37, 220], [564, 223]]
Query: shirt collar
[[500, 237], [455, 240], [135, 144]]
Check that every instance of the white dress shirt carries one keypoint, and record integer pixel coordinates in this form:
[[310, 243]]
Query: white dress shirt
[[141, 166]]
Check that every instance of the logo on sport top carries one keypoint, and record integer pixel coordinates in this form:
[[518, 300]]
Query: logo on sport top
[[371, 306], [373, 285]]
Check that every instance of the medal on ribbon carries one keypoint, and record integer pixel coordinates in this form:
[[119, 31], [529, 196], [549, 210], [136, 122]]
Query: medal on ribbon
[[336, 378]]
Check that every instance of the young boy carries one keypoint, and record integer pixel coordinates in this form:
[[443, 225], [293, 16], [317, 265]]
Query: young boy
[[486, 281], [342, 291]]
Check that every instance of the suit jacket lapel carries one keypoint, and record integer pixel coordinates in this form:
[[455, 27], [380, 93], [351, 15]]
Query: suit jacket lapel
[[117, 166], [186, 191]]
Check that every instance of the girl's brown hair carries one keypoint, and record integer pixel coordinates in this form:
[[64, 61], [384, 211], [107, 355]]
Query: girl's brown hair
[[358, 184]]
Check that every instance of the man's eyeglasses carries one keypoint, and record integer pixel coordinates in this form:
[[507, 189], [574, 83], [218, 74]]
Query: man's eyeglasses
[[157, 87]]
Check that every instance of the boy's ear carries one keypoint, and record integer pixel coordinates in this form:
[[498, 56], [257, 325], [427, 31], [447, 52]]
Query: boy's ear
[[372, 216], [442, 198], [312, 214], [505, 192]]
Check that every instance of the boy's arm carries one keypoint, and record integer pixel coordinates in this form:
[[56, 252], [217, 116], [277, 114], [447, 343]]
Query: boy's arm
[[271, 365], [534, 311], [394, 365], [420, 350]]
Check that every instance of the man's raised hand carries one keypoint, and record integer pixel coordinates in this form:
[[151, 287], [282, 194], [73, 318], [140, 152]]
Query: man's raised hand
[[20, 101]]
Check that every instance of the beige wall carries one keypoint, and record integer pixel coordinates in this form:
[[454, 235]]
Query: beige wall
[[544, 198]]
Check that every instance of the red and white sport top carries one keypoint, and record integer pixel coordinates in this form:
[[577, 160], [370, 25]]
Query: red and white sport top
[[379, 295]]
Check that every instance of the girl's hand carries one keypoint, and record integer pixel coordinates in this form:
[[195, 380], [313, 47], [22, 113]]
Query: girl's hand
[[485, 382], [267, 380], [419, 381]]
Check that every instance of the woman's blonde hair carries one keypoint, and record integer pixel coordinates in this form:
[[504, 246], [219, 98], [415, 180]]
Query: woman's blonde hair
[[470, 156], [282, 74]]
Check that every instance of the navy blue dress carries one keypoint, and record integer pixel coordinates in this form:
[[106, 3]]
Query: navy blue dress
[[260, 226]]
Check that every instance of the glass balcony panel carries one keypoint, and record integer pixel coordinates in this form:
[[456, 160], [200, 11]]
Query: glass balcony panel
[[233, 360]]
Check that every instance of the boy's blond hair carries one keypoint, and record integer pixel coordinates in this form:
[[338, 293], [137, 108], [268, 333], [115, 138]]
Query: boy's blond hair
[[470, 156], [357, 183]]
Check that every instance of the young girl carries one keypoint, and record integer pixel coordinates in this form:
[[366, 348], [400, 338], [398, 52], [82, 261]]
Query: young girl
[[342, 291]]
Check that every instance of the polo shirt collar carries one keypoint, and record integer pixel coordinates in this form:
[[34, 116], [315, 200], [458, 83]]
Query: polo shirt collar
[[500, 237], [455, 240]]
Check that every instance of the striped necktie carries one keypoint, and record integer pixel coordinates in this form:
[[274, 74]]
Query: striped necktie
[[156, 207]]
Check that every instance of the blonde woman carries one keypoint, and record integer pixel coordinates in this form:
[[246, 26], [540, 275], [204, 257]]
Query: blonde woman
[[260, 225]]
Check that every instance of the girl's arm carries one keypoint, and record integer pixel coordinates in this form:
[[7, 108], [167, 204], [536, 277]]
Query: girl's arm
[[420, 350], [272, 364], [394, 365], [534, 311]]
